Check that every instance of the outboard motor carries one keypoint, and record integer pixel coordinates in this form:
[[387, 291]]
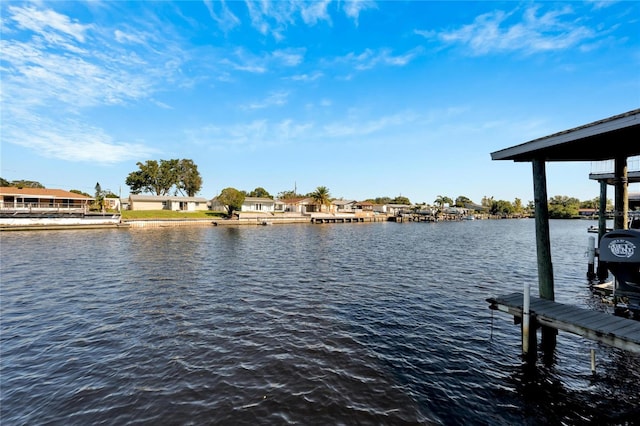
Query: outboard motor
[[620, 249]]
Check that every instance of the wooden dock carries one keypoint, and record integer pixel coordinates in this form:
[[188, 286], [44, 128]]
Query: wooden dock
[[606, 328]]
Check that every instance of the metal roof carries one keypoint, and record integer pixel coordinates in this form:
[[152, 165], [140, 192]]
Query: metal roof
[[617, 136]]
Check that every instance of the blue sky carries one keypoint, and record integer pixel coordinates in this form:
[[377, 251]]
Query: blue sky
[[369, 99]]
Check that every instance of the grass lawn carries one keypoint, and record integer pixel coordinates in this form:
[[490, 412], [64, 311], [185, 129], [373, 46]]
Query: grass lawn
[[169, 214]]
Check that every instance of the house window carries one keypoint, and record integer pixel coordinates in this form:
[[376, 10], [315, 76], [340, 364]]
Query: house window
[[258, 207], [164, 204]]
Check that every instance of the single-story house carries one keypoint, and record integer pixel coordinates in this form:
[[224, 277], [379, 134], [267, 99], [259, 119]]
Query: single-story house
[[294, 205], [365, 206], [40, 198], [258, 204], [166, 202], [344, 206]]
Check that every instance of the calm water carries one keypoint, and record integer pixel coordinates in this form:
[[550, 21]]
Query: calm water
[[295, 324]]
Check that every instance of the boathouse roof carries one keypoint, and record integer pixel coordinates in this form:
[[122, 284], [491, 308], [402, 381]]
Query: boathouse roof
[[605, 139]]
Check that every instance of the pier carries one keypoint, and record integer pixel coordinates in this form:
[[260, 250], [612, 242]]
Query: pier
[[601, 327], [337, 219], [609, 139]]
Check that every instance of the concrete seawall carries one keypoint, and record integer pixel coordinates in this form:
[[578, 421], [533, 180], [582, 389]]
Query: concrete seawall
[[167, 223]]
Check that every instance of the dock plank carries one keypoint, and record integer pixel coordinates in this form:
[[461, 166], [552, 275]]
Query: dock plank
[[616, 331]]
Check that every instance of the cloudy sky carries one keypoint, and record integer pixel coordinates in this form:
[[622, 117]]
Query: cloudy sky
[[369, 99]]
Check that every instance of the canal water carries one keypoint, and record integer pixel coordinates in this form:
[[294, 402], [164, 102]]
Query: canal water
[[378, 323]]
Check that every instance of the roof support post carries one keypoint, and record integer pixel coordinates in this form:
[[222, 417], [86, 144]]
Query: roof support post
[[602, 210], [543, 245], [602, 272], [543, 240], [621, 195]]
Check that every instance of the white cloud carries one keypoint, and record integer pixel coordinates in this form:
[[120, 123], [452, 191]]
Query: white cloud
[[224, 17], [50, 77], [500, 31], [273, 17], [314, 11], [352, 8], [274, 99], [290, 57], [72, 140], [357, 127], [44, 21], [370, 58], [127, 37], [308, 77]]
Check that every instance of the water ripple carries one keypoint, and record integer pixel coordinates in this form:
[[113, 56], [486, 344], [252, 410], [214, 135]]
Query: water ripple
[[354, 324]]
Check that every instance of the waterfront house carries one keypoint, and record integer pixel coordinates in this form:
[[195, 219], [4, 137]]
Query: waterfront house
[[365, 206], [12, 198], [167, 202], [258, 205], [344, 206], [293, 205]]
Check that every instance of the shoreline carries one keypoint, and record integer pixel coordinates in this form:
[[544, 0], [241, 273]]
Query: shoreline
[[168, 223], [180, 222]]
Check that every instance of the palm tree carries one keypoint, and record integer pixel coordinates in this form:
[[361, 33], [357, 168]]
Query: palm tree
[[321, 197]]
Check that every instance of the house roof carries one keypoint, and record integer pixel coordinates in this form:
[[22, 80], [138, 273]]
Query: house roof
[[259, 199], [343, 202], [295, 200], [605, 139], [42, 193], [291, 201], [150, 198]]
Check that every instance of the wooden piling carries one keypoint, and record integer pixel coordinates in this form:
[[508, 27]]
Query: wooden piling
[[543, 246]]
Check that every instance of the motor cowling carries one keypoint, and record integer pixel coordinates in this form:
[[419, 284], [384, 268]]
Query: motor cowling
[[620, 249]]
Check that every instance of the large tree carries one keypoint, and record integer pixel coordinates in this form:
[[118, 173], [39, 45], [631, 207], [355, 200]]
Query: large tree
[[441, 200], [232, 199], [563, 207], [189, 179], [21, 183], [401, 199], [260, 192], [287, 195], [321, 196], [158, 178], [462, 201]]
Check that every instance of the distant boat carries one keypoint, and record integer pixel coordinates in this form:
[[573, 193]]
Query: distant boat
[[471, 217], [594, 229]]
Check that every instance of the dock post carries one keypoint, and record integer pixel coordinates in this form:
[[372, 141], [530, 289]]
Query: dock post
[[593, 361], [525, 319], [592, 255], [543, 246]]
